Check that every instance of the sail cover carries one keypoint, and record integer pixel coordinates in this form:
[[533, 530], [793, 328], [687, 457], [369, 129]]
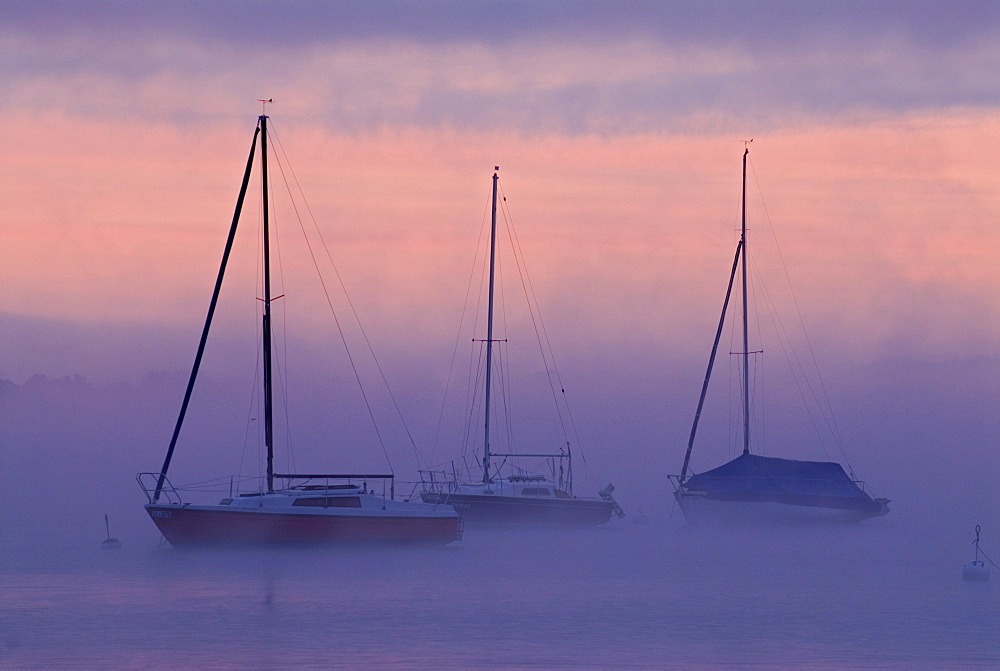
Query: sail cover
[[750, 477]]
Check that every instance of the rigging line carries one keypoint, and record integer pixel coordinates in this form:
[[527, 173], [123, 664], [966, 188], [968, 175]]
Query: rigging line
[[500, 405], [795, 301], [333, 312], [541, 334], [282, 373], [472, 409], [221, 485], [740, 375], [502, 383], [283, 379], [980, 550], [471, 390], [800, 375], [756, 411], [542, 337], [532, 310], [258, 316], [204, 483], [988, 558], [576, 435], [501, 290], [343, 287], [730, 411], [507, 393], [476, 410], [756, 421], [795, 366], [458, 334], [254, 408], [751, 386], [735, 413], [501, 400], [762, 383]]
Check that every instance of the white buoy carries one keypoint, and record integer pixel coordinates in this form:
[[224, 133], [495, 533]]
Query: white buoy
[[976, 570]]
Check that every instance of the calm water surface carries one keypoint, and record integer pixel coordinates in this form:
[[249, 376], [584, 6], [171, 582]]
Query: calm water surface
[[650, 596]]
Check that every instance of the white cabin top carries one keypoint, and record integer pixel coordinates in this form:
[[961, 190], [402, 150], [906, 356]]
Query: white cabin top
[[515, 485], [326, 500]]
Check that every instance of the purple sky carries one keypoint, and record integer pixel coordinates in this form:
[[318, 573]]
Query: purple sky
[[619, 128], [571, 67]]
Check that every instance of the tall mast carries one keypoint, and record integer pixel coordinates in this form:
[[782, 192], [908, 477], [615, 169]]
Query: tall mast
[[266, 327], [489, 329], [746, 337]]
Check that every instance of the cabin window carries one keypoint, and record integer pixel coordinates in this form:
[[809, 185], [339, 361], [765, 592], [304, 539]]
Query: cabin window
[[535, 491], [329, 501]]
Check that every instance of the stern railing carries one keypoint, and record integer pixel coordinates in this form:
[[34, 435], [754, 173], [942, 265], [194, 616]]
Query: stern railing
[[149, 481]]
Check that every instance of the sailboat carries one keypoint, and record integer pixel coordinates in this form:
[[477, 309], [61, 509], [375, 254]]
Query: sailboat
[[520, 497], [286, 508], [758, 488]]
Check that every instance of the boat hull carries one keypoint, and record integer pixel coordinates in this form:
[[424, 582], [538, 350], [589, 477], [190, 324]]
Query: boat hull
[[699, 507], [524, 510], [194, 526]]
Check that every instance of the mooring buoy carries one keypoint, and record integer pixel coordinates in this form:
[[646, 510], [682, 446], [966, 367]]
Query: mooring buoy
[[977, 568], [109, 543]]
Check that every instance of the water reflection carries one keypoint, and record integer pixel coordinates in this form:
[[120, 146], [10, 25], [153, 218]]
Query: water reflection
[[636, 595]]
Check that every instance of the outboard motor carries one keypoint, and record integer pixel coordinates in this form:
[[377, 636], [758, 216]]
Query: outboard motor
[[606, 495]]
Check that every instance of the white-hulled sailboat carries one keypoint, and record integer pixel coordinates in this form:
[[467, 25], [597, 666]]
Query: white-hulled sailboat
[[286, 508], [755, 488], [513, 496]]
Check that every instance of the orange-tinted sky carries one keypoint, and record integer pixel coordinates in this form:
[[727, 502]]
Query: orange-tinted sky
[[619, 133], [887, 227]]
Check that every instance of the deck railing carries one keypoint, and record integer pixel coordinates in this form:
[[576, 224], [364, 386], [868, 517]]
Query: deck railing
[[148, 482]]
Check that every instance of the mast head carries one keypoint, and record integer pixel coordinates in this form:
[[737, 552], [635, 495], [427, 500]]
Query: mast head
[[263, 104]]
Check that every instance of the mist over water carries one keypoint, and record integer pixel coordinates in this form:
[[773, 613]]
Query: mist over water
[[886, 593], [619, 133]]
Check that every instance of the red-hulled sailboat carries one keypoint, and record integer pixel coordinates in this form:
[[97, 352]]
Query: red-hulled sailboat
[[286, 508]]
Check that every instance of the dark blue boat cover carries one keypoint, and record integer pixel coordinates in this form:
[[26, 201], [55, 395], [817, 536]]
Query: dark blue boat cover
[[754, 474]]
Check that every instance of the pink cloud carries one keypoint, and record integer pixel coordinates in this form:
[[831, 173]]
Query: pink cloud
[[629, 236]]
